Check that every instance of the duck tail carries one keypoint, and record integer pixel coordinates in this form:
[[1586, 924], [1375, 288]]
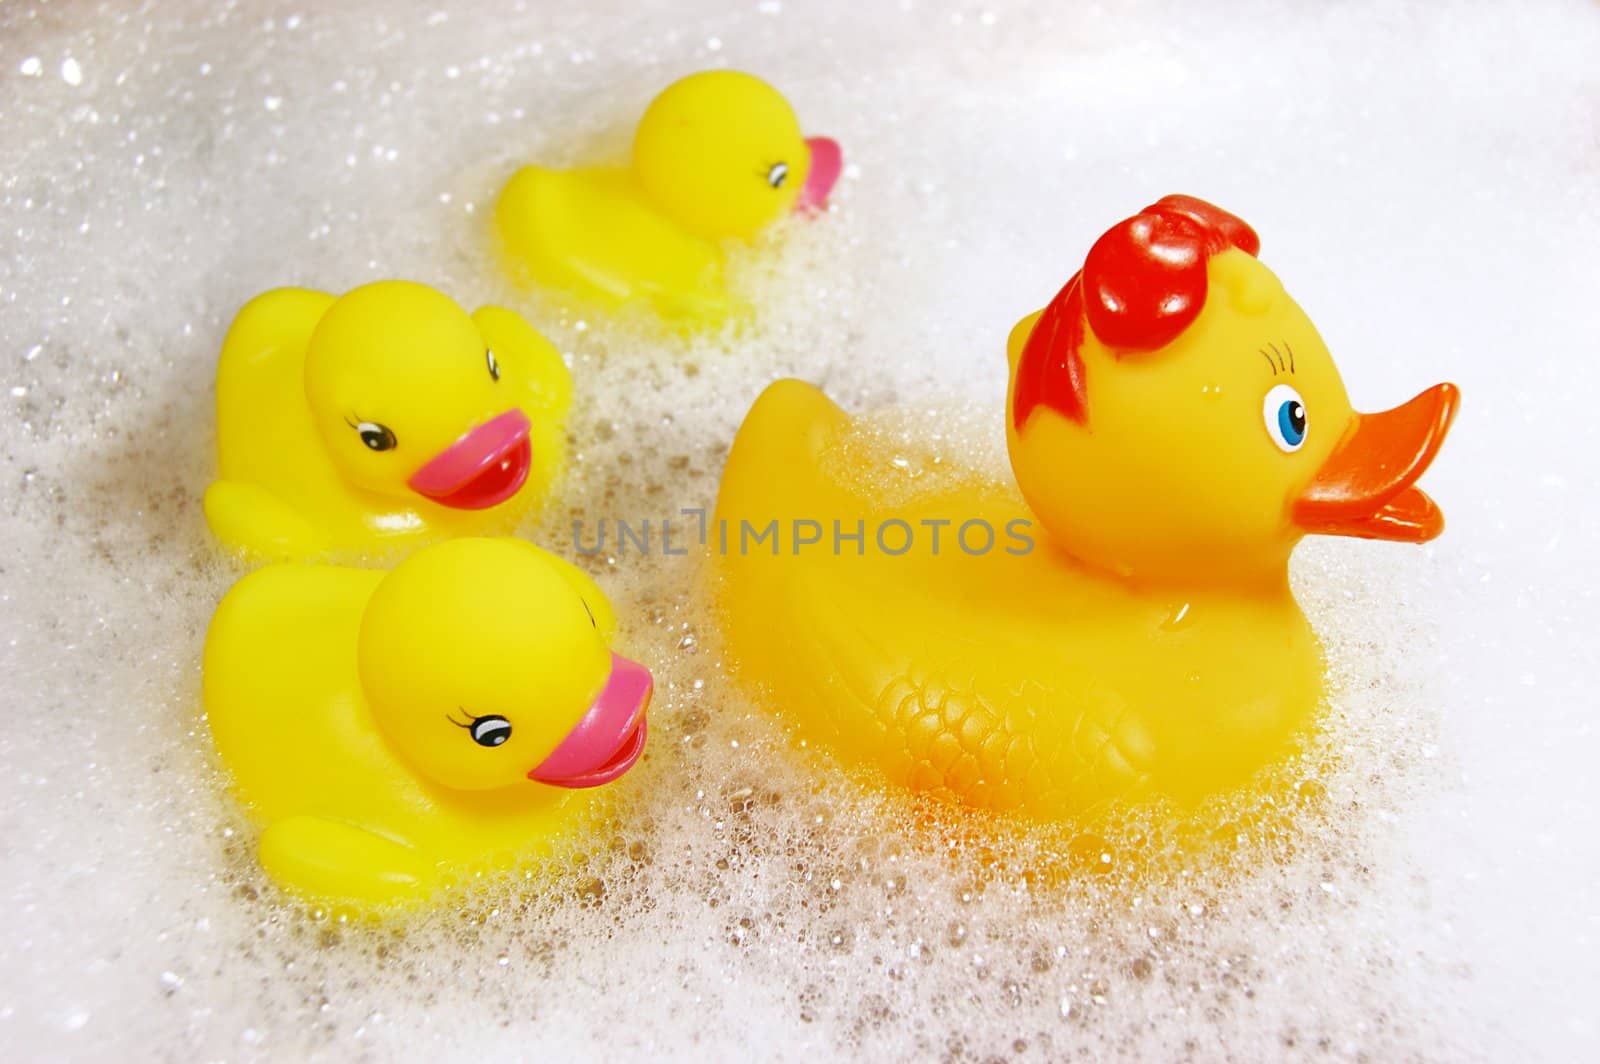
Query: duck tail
[[781, 620], [774, 482], [774, 469]]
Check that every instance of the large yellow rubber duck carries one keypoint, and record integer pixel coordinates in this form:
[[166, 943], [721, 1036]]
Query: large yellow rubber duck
[[392, 730], [717, 156], [1125, 627], [384, 417]]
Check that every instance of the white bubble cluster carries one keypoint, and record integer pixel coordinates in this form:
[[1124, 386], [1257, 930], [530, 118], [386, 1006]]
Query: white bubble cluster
[[1417, 883]]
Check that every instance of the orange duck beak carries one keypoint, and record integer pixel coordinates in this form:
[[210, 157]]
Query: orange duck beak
[[1366, 488]]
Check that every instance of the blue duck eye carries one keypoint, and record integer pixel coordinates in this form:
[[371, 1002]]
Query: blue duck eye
[[1285, 415], [490, 731]]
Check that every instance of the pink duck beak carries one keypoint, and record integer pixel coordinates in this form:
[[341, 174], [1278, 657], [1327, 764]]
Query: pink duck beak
[[484, 468], [609, 738], [827, 163]]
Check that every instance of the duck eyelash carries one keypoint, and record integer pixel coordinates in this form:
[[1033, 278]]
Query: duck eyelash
[[1280, 364], [471, 720]]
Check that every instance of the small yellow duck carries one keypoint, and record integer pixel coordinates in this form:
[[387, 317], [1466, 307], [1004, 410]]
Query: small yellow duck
[[1124, 629], [392, 730], [384, 417], [717, 156]]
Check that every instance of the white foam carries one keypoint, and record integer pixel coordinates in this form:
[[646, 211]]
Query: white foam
[[1423, 177]]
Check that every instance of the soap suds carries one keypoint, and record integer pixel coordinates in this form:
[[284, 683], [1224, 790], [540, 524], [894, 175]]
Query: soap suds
[[1417, 883]]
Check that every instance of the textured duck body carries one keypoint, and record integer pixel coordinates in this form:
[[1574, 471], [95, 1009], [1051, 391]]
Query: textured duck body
[[280, 496], [1010, 678], [1119, 623]]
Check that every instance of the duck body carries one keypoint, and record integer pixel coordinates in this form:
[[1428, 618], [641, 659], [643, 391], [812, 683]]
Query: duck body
[[592, 231], [1002, 674], [306, 756], [1118, 623], [305, 404], [717, 157], [343, 780]]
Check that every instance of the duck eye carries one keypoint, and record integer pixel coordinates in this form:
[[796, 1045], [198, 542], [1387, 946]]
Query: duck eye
[[494, 363], [490, 731], [778, 174], [377, 437], [1284, 413]]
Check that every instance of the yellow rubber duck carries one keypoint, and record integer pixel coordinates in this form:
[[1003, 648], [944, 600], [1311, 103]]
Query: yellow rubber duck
[[384, 417], [717, 156], [392, 730], [1125, 627]]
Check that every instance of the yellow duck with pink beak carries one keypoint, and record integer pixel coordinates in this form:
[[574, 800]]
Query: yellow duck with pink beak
[[394, 732], [1123, 630], [718, 156], [383, 418]]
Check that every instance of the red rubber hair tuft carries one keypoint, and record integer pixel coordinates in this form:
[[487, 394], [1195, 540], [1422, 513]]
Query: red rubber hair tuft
[[1142, 284]]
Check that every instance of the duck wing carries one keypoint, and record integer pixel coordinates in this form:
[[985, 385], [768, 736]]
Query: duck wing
[[947, 670], [943, 707]]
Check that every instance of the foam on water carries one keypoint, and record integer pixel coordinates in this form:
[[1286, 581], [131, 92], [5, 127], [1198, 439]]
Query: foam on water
[[1418, 882]]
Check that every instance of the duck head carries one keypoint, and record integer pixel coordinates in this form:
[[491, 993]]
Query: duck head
[[721, 153], [410, 401], [1174, 414], [486, 663]]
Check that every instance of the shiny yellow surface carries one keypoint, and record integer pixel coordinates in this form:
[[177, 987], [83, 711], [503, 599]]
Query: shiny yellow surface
[[704, 149], [1147, 644], [1175, 478], [649, 232], [329, 691], [298, 367]]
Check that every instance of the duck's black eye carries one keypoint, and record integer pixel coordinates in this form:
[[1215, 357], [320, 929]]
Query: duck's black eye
[[377, 437], [494, 363], [490, 731], [778, 174]]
